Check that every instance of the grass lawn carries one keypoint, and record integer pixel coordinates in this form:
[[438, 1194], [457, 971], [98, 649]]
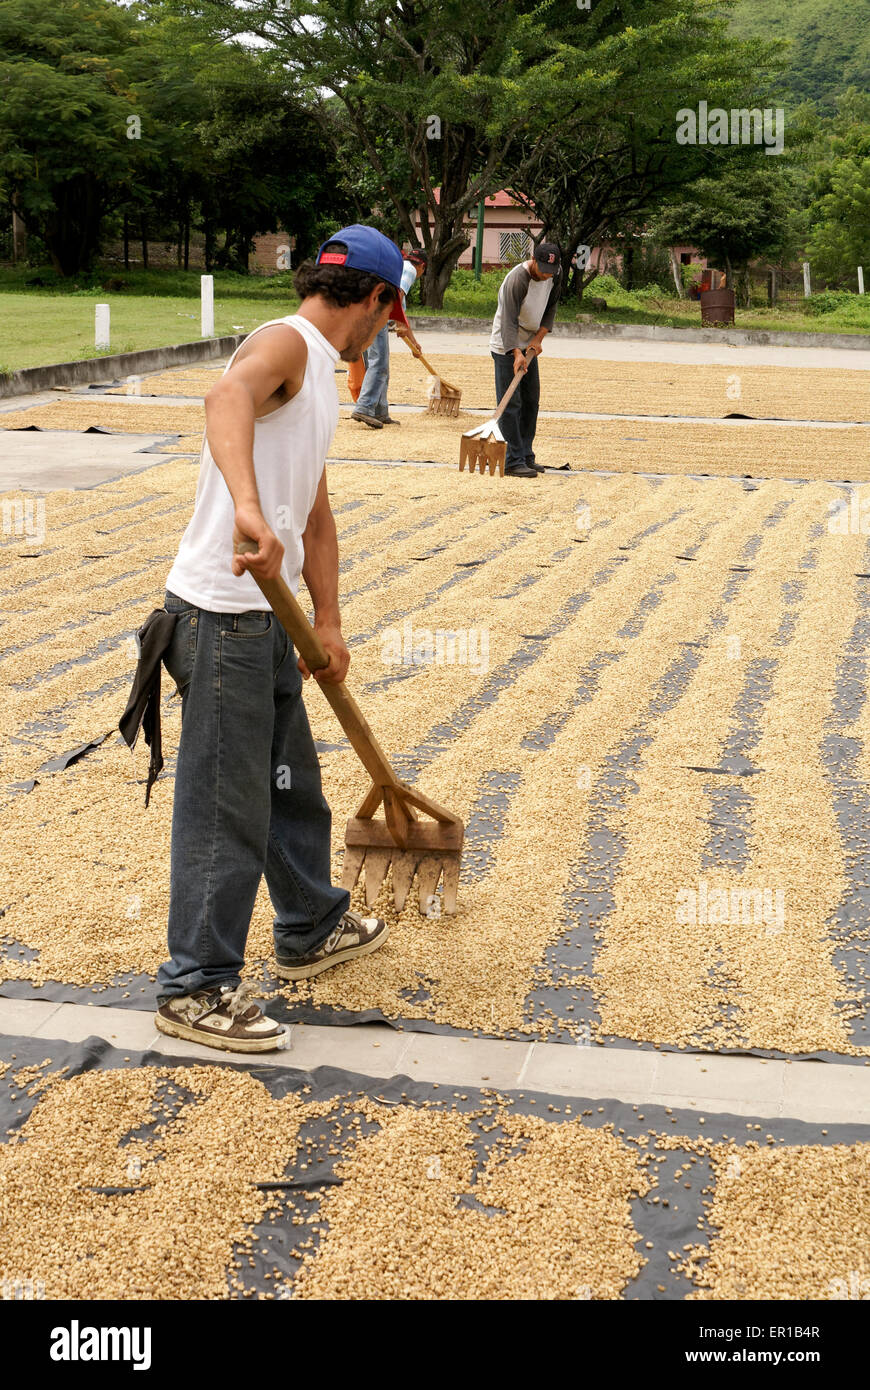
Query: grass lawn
[[54, 322]]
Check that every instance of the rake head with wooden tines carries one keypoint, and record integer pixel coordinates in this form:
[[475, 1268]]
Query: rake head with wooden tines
[[443, 398], [401, 841], [485, 448]]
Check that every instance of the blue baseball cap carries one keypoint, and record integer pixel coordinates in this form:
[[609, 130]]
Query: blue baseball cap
[[368, 250]]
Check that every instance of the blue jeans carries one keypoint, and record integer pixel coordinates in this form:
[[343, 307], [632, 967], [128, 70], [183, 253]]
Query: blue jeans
[[376, 382], [520, 418], [248, 800]]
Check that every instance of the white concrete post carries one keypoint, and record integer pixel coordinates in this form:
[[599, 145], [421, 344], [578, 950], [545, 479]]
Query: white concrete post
[[860, 279], [101, 326], [807, 286], [207, 295]]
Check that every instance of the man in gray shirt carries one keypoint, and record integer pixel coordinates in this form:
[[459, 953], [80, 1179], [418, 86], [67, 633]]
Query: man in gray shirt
[[526, 312]]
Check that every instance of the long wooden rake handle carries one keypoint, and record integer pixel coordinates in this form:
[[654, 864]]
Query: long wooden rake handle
[[399, 800], [309, 646], [513, 386]]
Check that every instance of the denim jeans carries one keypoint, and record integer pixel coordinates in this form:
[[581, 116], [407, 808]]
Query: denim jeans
[[248, 800], [520, 418], [376, 383]]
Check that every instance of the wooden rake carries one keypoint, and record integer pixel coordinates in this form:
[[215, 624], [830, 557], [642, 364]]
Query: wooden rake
[[401, 841], [443, 398], [485, 448]]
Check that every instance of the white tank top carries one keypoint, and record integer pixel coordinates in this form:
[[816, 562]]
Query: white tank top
[[290, 448]]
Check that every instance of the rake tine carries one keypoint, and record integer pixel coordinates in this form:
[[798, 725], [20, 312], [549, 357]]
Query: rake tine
[[428, 874], [353, 862], [377, 862], [443, 405], [404, 868], [451, 882]]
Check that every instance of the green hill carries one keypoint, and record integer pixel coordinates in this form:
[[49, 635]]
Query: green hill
[[830, 42]]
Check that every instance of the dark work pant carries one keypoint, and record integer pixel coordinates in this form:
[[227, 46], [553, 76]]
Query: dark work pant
[[520, 418], [248, 800]]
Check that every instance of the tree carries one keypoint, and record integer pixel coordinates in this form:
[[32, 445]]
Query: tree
[[607, 156], [66, 100], [839, 213], [432, 92], [268, 162], [147, 114], [445, 101], [731, 219]]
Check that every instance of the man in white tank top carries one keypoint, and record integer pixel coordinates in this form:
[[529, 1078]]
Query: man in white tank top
[[248, 797]]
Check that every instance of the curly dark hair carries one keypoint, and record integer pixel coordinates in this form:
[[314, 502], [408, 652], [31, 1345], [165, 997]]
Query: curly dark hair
[[339, 285]]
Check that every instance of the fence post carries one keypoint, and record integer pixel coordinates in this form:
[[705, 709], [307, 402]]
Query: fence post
[[206, 283], [101, 326], [478, 245], [808, 289], [860, 279]]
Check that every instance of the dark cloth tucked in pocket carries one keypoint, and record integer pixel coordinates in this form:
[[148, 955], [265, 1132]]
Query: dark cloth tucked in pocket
[[143, 706]]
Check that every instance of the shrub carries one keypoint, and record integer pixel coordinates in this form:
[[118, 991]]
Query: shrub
[[827, 301], [604, 285]]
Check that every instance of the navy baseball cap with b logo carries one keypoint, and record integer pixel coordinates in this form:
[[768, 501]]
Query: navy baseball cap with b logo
[[364, 248], [547, 257]]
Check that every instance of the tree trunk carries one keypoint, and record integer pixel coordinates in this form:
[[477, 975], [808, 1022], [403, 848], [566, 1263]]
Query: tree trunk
[[71, 230], [126, 241], [19, 234], [677, 273], [187, 237], [444, 253], [439, 279], [447, 241], [729, 273], [143, 233]]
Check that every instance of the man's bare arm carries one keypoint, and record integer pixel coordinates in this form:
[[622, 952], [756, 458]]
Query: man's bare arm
[[271, 368], [320, 572], [537, 341]]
